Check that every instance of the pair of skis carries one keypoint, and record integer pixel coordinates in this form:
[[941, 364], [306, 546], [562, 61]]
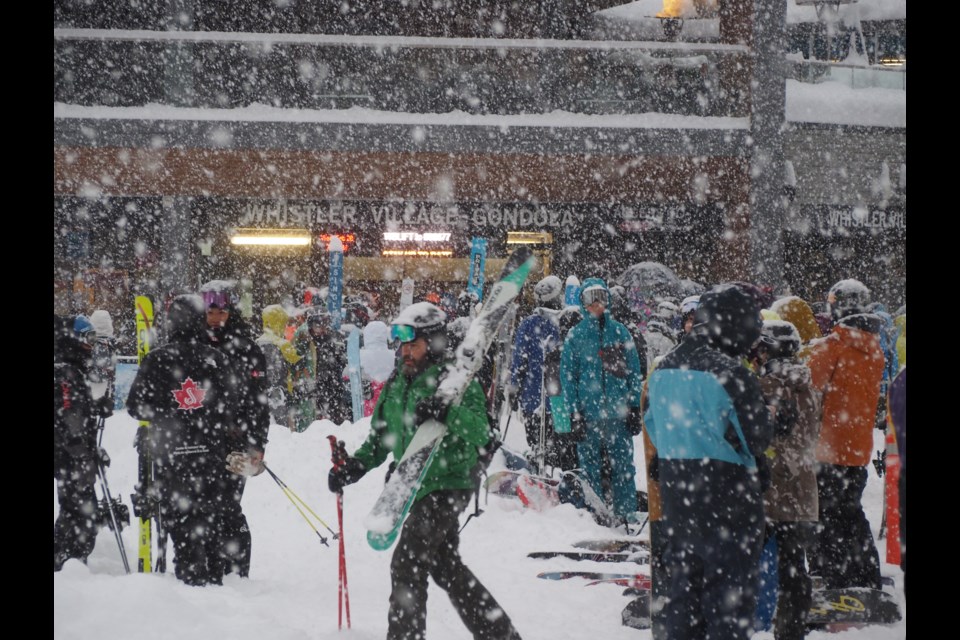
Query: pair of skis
[[145, 502], [386, 518]]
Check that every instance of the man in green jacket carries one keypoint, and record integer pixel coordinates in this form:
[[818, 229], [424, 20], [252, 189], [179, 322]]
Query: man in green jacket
[[429, 542]]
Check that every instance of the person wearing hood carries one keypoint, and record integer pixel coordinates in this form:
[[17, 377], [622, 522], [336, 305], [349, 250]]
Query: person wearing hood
[[536, 335], [790, 503], [319, 384], [186, 390], [601, 379], [847, 368], [659, 335], [103, 369], [798, 313], [377, 362], [247, 436], [75, 451], [709, 422], [279, 356]]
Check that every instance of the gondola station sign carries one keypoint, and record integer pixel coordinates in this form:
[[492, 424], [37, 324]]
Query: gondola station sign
[[394, 216]]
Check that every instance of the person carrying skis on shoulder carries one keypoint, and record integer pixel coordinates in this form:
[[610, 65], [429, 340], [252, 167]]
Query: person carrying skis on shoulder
[[601, 380], [429, 541], [790, 503], [279, 356], [710, 425], [75, 451], [537, 334], [186, 390], [247, 435]]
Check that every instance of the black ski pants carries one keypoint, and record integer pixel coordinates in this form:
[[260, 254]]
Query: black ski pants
[[77, 525], [429, 544], [846, 553], [190, 506], [794, 594], [236, 540]]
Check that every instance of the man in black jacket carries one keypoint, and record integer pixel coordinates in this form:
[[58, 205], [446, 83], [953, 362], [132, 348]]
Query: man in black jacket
[[247, 436], [183, 388], [75, 451]]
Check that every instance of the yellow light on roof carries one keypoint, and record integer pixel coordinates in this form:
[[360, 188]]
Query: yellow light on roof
[[272, 237], [529, 237]]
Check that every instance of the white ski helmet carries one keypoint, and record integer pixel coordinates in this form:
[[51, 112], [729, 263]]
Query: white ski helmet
[[781, 336], [847, 298], [421, 320]]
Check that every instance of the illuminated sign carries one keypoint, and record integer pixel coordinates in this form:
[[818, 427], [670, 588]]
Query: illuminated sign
[[436, 253], [412, 236], [348, 239], [271, 237]]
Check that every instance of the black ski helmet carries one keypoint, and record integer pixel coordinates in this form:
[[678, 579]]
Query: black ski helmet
[[780, 337], [730, 319], [848, 297]]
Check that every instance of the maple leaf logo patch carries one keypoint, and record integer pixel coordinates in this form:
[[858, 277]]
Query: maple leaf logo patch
[[189, 396]]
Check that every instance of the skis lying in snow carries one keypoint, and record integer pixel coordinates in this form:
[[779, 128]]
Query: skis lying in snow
[[386, 518], [832, 609], [632, 580], [594, 556], [632, 545]]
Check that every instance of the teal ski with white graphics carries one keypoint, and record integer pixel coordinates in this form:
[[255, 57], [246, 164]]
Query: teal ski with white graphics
[[384, 521]]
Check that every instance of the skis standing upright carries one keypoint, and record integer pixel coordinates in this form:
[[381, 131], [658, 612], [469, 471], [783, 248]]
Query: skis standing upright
[[385, 519], [144, 505], [353, 369]]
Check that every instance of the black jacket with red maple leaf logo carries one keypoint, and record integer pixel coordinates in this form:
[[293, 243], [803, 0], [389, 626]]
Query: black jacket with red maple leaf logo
[[185, 390]]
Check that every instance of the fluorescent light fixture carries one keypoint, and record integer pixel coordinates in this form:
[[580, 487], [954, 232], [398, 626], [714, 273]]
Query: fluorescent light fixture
[[411, 236], [529, 237], [418, 252], [272, 237]]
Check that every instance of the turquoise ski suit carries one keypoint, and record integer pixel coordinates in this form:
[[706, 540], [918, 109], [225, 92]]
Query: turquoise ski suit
[[601, 379]]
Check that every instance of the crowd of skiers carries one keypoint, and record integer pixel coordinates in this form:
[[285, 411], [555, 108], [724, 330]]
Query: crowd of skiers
[[756, 416]]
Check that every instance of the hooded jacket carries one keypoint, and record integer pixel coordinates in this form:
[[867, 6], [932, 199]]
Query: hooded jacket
[[847, 368], [792, 496], [600, 368], [797, 312], [183, 388]]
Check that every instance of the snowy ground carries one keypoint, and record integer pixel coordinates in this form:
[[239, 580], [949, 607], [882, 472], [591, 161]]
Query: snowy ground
[[292, 592]]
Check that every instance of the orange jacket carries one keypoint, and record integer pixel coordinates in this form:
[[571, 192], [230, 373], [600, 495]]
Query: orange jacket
[[847, 367]]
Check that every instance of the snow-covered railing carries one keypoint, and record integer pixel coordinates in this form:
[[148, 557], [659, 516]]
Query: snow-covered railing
[[502, 76]]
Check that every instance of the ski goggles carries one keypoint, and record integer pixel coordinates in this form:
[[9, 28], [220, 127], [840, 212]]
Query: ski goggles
[[221, 299], [84, 330], [402, 333], [590, 296]]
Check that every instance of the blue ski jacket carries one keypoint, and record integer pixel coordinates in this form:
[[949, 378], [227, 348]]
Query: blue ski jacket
[[537, 335], [599, 368]]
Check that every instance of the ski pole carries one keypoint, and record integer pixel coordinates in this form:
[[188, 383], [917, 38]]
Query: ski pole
[[297, 502], [338, 455], [113, 516]]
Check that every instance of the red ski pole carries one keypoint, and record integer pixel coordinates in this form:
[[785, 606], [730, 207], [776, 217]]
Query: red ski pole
[[339, 454]]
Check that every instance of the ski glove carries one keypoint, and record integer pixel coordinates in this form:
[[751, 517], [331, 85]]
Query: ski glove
[[348, 472], [245, 464], [578, 427], [432, 408], [635, 421], [104, 406], [103, 457]]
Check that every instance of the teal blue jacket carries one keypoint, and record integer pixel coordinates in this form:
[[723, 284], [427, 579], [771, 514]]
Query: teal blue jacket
[[600, 368]]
